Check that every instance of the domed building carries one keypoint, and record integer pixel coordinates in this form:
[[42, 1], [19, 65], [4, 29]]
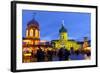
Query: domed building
[[63, 41], [32, 33], [31, 40]]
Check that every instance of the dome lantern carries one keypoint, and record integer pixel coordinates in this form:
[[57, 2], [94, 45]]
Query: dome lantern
[[62, 29], [33, 22]]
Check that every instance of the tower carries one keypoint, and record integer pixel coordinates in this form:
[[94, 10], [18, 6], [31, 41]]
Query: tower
[[85, 44], [63, 32], [33, 32]]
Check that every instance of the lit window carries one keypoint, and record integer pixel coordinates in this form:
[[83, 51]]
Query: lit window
[[26, 33], [31, 32], [36, 33], [62, 37]]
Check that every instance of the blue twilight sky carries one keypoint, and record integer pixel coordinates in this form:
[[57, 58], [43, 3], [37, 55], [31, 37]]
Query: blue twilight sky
[[78, 25]]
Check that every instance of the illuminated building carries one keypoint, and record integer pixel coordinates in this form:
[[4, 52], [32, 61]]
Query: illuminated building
[[63, 41], [32, 33], [86, 45], [32, 42]]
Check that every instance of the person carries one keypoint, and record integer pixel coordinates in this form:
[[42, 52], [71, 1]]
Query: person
[[88, 55], [72, 56], [72, 50], [40, 55], [63, 54], [55, 55], [66, 54], [49, 55], [79, 55], [32, 55], [60, 54]]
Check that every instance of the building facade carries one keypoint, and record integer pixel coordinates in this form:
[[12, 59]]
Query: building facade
[[31, 42], [64, 41]]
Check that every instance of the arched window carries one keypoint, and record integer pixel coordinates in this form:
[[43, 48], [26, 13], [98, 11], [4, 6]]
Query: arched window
[[31, 32], [26, 33], [36, 33], [62, 37]]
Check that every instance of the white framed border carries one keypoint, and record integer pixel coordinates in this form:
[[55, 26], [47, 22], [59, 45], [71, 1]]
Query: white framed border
[[23, 66]]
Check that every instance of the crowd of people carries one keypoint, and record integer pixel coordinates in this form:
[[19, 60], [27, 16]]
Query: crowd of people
[[61, 54]]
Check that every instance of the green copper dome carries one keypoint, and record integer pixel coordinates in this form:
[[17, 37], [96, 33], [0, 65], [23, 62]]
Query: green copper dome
[[63, 29]]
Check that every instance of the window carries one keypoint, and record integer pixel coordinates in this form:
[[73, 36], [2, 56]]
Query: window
[[26, 33], [31, 32], [36, 33]]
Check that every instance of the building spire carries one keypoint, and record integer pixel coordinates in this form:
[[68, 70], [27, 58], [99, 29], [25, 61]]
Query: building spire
[[63, 22], [62, 29], [34, 15]]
